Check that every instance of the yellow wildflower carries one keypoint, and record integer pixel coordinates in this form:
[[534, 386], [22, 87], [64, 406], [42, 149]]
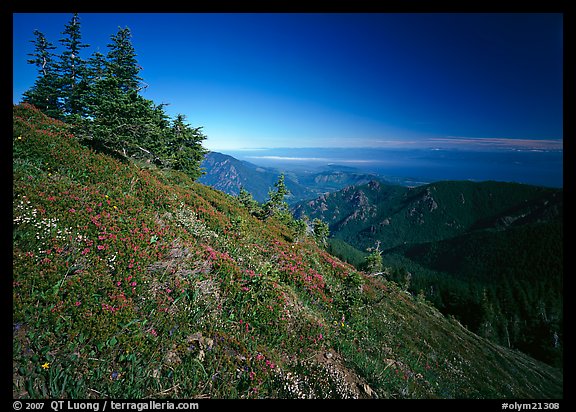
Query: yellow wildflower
[[46, 365]]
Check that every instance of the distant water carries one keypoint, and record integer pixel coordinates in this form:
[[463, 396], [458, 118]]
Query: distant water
[[542, 168]]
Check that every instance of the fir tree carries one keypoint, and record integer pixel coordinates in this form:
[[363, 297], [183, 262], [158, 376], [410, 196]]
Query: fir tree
[[123, 122], [275, 203], [373, 261], [321, 231], [96, 67], [72, 70], [117, 117], [44, 93], [245, 198], [122, 63], [184, 147], [101, 99]]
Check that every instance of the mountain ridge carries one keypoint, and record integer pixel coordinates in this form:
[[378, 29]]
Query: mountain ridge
[[488, 253], [229, 174], [389, 213]]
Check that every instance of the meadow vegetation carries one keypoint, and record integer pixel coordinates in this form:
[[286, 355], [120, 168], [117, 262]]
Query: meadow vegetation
[[135, 281]]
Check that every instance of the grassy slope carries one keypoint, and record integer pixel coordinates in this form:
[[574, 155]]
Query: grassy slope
[[133, 282]]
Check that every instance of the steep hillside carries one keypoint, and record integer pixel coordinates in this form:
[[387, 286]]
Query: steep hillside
[[488, 253], [503, 284], [135, 282]]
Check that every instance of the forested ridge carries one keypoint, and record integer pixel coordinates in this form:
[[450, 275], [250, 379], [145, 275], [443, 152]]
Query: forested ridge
[[488, 253]]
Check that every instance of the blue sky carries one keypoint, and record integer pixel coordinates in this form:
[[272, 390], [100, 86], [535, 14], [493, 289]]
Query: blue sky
[[452, 81]]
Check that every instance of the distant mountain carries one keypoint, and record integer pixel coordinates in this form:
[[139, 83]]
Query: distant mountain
[[395, 215], [488, 253], [228, 174]]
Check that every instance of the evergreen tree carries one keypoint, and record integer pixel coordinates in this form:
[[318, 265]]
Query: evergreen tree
[[374, 259], [184, 147], [117, 117], [123, 122], [300, 227], [101, 99], [96, 68], [489, 319], [72, 71], [122, 64], [321, 231], [246, 199], [44, 93], [275, 203], [95, 73]]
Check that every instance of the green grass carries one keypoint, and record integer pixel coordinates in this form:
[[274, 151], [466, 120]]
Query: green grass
[[135, 282]]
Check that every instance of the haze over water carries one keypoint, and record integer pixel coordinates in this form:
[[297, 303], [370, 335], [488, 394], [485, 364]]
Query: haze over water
[[542, 168]]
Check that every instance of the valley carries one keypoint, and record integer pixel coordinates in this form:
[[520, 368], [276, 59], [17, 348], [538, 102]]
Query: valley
[[488, 253]]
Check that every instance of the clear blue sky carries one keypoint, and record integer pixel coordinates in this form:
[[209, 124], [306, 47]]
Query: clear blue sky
[[467, 81]]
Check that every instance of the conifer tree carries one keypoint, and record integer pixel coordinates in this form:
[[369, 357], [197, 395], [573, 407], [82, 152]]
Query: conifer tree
[[321, 231], [373, 261], [275, 203], [72, 70], [96, 67], [122, 63], [184, 147], [118, 118], [44, 93], [248, 201], [100, 98]]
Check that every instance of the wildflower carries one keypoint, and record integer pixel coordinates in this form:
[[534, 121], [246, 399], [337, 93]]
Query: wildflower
[[270, 364], [19, 138], [46, 365]]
